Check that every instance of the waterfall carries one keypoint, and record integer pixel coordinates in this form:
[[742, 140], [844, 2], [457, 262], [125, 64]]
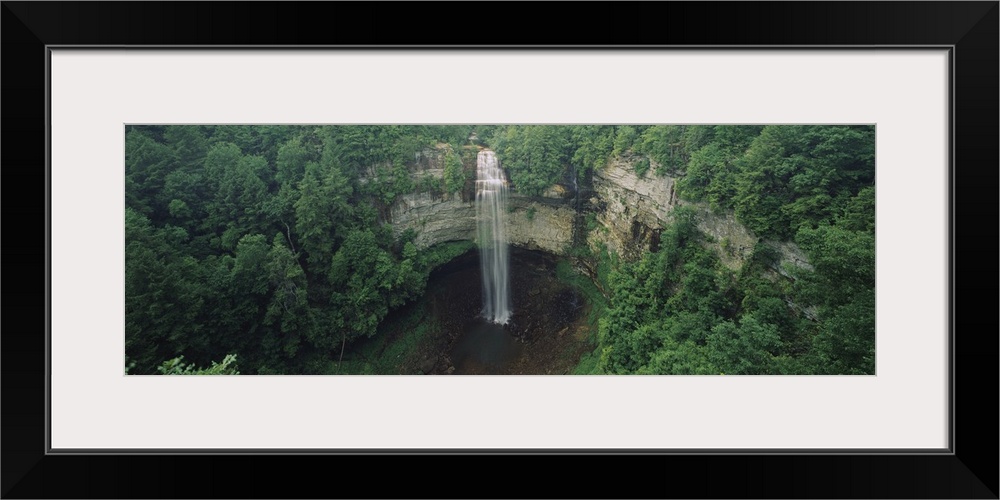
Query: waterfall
[[491, 208]]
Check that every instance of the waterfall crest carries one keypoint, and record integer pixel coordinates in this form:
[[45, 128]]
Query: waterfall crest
[[491, 209]]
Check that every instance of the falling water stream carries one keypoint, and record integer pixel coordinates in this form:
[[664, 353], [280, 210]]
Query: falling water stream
[[491, 209], [497, 342]]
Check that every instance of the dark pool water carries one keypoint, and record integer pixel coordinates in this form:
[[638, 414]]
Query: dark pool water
[[485, 349], [542, 307]]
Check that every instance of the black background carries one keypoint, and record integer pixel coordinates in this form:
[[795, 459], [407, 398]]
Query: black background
[[972, 472]]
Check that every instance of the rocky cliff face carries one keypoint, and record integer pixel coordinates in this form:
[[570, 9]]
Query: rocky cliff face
[[544, 223], [629, 211], [540, 224], [434, 218], [531, 223], [732, 241]]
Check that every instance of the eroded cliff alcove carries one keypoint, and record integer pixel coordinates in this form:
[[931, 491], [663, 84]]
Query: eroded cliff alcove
[[628, 210], [301, 249]]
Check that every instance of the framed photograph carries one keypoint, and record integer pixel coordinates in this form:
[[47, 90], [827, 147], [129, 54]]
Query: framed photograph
[[362, 212]]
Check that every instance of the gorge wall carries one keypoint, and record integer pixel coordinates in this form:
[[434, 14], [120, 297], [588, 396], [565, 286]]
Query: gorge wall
[[536, 223], [628, 210]]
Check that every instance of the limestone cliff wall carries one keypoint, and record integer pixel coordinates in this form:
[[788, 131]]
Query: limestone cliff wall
[[732, 241], [531, 224], [434, 219], [542, 223], [434, 216], [629, 211]]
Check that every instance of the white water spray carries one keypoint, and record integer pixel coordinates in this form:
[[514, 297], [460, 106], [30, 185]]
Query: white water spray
[[491, 208]]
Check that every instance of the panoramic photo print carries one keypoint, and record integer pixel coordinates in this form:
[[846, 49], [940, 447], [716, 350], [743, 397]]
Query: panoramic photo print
[[499, 249]]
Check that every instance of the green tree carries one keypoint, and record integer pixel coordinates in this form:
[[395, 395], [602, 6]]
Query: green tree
[[593, 145], [859, 214], [322, 206], [291, 162], [189, 145], [664, 300], [454, 174], [241, 200], [163, 295], [534, 155], [665, 145], [625, 138], [288, 314], [711, 176], [801, 175], [844, 264], [678, 358], [842, 286], [368, 282], [845, 343], [745, 349], [147, 164]]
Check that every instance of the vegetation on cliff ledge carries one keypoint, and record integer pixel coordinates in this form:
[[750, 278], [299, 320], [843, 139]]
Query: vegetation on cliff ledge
[[271, 244]]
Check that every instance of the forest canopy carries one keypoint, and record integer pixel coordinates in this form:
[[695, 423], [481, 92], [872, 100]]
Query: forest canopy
[[269, 249]]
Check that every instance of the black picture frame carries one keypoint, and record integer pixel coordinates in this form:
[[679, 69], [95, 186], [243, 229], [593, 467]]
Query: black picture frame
[[970, 28]]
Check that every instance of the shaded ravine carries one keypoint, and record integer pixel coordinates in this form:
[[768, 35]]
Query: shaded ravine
[[546, 334]]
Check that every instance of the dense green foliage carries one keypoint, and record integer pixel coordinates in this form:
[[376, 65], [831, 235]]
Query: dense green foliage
[[776, 178], [395, 347], [269, 242], [535, 155], [679, 311], [454, 175], [538, 156]]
